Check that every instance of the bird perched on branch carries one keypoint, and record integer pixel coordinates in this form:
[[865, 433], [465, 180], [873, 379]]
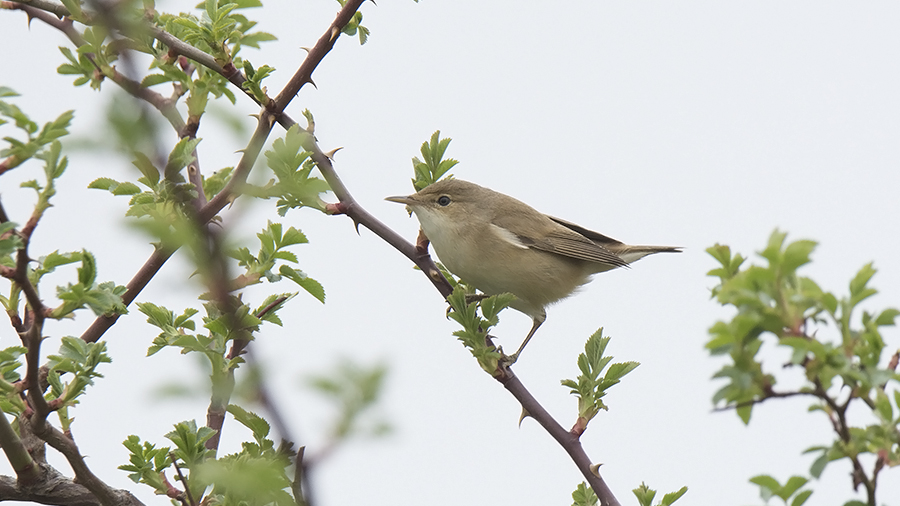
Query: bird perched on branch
[[499, 244]]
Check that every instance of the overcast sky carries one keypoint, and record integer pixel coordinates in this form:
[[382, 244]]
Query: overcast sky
[[677, 123]]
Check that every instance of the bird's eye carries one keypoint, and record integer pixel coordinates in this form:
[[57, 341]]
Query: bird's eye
[[444, 200]]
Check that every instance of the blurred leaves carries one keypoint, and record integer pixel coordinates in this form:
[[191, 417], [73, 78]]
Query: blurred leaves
[[769, 487], [355, 390], [852, 368]]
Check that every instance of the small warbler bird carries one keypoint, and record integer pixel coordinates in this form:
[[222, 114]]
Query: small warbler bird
[[499, 244]]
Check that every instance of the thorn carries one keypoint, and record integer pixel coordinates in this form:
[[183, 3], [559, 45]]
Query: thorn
[[595, 470], [525, 414], [435, 274], [331, 153], [306, 49], [334, 32], [310, 81]]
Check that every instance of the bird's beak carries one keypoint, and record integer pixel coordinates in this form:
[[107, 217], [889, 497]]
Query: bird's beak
[[401, 200]]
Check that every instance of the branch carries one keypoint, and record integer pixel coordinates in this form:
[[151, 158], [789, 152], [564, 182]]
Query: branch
[[26, 469], [66, 446], [768, 395], [570, 442], [55, 489]]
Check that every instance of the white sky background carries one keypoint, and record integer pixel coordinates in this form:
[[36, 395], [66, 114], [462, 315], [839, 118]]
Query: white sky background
[[676, 123]]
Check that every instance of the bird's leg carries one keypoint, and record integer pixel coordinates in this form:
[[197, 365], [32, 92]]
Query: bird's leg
[[511, 359]]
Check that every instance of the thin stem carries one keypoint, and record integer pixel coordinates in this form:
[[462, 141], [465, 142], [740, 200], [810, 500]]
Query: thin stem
[[569, 442]]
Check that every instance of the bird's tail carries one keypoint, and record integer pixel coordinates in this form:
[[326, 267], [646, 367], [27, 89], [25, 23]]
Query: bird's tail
[[634, 253]]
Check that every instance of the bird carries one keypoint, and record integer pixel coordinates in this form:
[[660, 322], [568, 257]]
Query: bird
[[499, 244]]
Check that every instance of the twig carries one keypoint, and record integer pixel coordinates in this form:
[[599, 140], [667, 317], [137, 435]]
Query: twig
[[103, 492], [767, 396], [187, 488], [570, 443], [299, 478]]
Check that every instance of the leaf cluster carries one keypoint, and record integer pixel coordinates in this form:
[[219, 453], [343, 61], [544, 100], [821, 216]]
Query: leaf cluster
[[256, 475], [769, 488], [645, 496], [774, 301], [589, 387], [77, 362], [290, 162], [354, 389], [102, 298], [10, 361], [434, 165], [354, 26], [273, 241], [35, 142], [220, 31], [474, 335]]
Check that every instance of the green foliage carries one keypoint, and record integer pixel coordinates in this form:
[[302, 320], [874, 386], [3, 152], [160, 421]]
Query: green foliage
[[164, 207], [474, 335], [645, 496], [10, 397], [355, 390], [434, 167], [584, 496], [223, 328], [255, 77], [101, 298], [214, 183], [221, 32], [147, 462], [353, 27], [295, 188], [589, 387], [273, 241], [10, 242], [849, 369], [35, 141], [190, 449], [769, 487], [78, 360]]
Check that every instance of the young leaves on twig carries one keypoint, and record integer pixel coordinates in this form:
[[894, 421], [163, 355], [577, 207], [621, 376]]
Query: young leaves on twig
[[590, 387], [474, 335], [645, 496], [434, 167]]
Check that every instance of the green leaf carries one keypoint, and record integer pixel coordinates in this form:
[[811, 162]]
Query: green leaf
[[584, 496], [434, 167], [257, 425], [797, 253], [310, 285], [801, 498], [671, 497], [793, 484]]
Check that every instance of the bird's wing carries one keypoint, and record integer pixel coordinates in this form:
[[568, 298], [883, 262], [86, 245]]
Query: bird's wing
[[558, 238], [590, 234]]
